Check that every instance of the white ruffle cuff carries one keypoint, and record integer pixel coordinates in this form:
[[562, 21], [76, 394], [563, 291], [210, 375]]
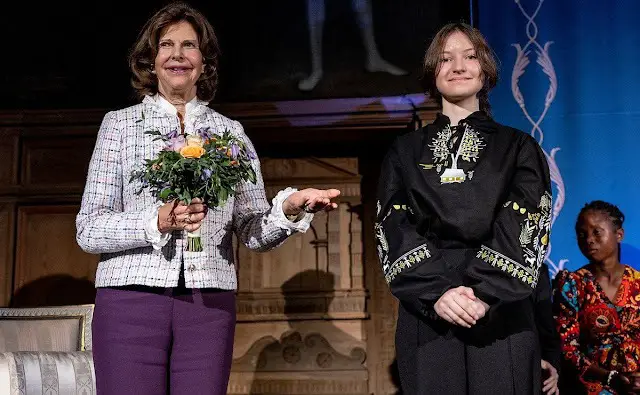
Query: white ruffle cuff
[[152, 234], [278, 217]]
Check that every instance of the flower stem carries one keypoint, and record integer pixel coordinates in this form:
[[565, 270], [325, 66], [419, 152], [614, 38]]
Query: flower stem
[[194, 242]]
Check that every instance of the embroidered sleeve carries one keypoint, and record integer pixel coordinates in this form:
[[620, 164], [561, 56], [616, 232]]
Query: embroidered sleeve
[[507, 266], [413, 268], [566, 310]]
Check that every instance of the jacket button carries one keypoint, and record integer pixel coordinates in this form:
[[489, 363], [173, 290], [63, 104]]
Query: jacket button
[[191, 268]]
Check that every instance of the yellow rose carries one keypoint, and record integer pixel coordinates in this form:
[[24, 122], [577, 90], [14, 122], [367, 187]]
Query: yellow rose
[[195, 141], [191, 151]]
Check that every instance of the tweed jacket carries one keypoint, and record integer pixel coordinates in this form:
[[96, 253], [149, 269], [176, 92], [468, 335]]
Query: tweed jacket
[[113, 218]]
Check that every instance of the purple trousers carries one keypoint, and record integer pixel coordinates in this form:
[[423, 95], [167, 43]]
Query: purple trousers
[[152, 341]]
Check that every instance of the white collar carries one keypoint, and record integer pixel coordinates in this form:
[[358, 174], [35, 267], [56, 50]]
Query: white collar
[[194, 106], [193, 110]]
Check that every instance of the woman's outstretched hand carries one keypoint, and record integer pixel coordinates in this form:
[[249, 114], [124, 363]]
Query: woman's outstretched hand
[[310, 200]]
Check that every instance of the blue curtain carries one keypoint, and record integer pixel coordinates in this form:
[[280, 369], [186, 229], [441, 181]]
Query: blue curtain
[[570, 76]]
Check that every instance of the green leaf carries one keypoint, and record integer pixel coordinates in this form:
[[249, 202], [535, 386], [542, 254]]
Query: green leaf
[[165, 193]]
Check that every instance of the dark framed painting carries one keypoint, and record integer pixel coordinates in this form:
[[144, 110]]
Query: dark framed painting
[[319, 49], [74, 56]]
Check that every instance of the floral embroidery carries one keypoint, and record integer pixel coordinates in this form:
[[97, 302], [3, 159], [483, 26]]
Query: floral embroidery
[[469, 150], [534, 240], [383, 245], [471, 145], [439, 145], [534, 233], [525, 274], [406, 261]]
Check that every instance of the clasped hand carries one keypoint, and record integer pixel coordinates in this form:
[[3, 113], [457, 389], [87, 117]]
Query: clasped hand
[[179, 216], [459, 306]]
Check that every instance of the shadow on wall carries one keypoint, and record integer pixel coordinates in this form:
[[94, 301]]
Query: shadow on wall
[[55, 290]]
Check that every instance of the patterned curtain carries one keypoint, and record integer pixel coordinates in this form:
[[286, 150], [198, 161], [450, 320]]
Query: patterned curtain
[[570, 77]]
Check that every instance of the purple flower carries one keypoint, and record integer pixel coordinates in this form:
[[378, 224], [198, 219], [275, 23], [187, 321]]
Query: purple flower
[[206, 174], [173, 134], [204, 132], [251, 155], [235, 150], [176, 143]]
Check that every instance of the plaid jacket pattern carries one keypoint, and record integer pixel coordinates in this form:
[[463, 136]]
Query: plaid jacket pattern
[[112, 217]]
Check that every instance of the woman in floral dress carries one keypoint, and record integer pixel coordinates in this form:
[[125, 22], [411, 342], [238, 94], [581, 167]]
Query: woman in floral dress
[[597, 309]]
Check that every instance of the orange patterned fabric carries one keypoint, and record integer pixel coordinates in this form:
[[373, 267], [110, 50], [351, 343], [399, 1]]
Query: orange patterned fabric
[[595, 329]]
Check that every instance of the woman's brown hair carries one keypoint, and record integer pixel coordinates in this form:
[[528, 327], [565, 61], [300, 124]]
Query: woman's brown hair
[[144, 51], [486, 57]]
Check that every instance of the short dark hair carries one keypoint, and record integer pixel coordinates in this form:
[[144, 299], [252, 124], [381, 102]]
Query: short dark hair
[[144, 51], [610, 210], [486, 57]]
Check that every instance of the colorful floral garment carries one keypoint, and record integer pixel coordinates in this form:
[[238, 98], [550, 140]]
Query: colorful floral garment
[[595, 329]]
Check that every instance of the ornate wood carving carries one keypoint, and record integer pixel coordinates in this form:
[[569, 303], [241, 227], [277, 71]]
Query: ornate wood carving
[[295, 365], [382, 305], [292, 353], [303, 305], [316, 277]]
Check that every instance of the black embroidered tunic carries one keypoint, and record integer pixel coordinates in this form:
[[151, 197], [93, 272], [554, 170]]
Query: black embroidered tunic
[[470, 207]]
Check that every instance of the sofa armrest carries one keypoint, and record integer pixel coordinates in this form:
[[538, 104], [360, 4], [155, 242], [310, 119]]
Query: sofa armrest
[[63, 373]]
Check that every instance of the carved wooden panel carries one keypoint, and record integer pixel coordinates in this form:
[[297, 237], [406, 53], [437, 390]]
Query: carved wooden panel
[[298, 364], [8, 157], [316, 274], [7, 236], [48, 259], [54, 162], [382, 305], [308, 293], [339, 173]]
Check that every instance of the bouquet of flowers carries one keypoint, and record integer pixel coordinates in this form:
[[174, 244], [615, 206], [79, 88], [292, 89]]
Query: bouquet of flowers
[[204, 165]]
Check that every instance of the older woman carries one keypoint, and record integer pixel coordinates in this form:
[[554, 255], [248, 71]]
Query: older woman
[[164, 317], [462, 229]]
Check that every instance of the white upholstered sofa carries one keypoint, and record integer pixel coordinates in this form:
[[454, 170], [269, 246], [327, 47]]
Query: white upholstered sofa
[[46, 350]]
